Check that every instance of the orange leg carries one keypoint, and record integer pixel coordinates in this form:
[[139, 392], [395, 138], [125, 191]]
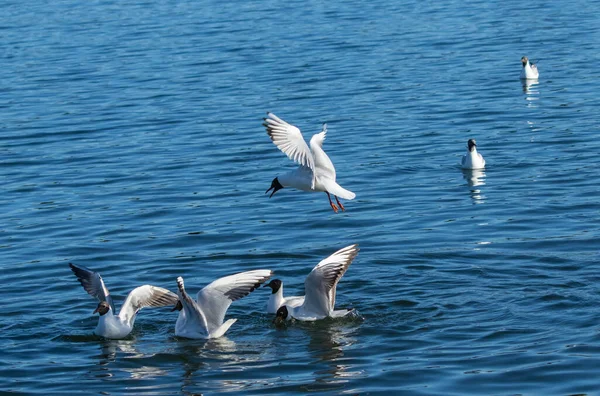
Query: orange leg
[[339, 203], [335, 208]]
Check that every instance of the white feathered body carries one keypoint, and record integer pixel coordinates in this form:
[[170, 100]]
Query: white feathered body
[[320, 287], [529, 71], [277, 299], [473, 160], [316, 172], [112, 326]]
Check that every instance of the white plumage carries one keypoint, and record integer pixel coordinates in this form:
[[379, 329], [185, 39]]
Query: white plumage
[[472, 160], [316, 172], [203, 318], [119, 326], [529, 70], [320, 289]]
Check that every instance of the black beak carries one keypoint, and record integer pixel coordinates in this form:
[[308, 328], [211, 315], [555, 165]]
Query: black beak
[[275, 186]]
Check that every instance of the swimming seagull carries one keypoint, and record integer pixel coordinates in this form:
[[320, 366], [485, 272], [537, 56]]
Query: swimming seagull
[[119, 326], [319, 289], [203, 318], [276, 298], [316, 171], [529, 70], [472, 160]]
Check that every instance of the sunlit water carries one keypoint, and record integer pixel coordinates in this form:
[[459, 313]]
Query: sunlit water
[[131, 143]]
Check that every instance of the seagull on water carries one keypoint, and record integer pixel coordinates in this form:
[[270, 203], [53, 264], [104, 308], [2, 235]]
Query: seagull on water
[[316, 171], [472, 160], [276, 298], [529, 71], [119, 326], [319, 289], [203, 318]]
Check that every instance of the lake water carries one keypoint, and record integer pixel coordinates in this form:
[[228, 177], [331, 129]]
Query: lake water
[[131, 143]]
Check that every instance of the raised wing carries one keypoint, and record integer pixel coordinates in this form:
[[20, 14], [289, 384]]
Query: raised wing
[[215, 299], [323, 165], [191, 319], [322, 281], [146, 296], [289, 139], [92, 283]]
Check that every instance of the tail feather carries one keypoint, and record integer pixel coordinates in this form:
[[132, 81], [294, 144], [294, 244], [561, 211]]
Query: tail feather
[[222, 329], [337, 190]]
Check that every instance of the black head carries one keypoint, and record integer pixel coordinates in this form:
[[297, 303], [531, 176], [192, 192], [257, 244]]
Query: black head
[[281, 315], [178, 306], [524, 60], [275, 186], [275, 285], [471, 144], [102, 308]]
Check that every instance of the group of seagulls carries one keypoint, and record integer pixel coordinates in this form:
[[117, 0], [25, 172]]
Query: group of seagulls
[[204, 317]]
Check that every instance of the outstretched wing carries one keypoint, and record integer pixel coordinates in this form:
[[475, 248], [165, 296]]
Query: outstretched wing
[[215, 299], [322, 281], [92, 283], [146, 296], [289, 139]]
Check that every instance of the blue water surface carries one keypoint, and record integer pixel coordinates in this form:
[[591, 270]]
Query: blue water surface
[[131, 143]]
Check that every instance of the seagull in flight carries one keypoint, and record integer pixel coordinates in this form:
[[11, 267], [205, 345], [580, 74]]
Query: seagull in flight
[[119, 326], [315, 173], [319, 289], [203, 318]]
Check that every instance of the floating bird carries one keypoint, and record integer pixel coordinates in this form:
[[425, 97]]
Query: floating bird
[[529, 71], [472, 160], [203, 318], [319, 289], [119, 326], [276, 298], [316, 171]]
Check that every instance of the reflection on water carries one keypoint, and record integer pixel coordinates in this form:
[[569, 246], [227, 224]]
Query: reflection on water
[[205, 354], [475, 178], [327, 344], [531, 91], [220, 356], [110, 348]]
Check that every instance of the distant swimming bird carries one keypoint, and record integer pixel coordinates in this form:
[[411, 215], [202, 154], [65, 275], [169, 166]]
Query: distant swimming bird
[[109, 325], [319, 288], [529, 70], [203, 318], [472, 160], [316, 171], [276, 298]]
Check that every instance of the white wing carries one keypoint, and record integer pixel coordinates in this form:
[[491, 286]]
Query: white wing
[[323, 165], [215, 299], [146, 296], [191, 319], [289, 139], [320, 284], [92, 283]]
